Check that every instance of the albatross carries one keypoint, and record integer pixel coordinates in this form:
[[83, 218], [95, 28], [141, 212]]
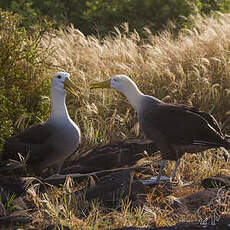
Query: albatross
[[54, 140], [175, 128]]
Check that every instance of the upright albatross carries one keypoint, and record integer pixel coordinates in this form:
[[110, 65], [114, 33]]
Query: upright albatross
[[176, 129], [50, 142]]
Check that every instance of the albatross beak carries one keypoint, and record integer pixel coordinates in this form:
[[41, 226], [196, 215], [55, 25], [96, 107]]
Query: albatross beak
[[70, 87], [102, 84]]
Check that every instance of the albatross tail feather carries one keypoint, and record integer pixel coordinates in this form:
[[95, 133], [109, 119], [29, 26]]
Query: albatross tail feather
[[226, 144], [225, 147], [226, 153]]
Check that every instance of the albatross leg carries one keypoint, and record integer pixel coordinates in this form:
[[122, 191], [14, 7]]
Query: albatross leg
[[59, 166], [175, 169], [155, 180], [163, 162]]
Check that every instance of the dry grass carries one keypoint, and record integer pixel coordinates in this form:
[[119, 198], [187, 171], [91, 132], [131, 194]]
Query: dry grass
[[60, 206], [192, 68]]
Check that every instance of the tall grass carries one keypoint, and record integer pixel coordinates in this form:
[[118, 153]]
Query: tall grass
[[192, 68]]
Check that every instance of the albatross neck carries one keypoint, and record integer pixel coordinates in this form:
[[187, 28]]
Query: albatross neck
[[134, 95], [58, 106]]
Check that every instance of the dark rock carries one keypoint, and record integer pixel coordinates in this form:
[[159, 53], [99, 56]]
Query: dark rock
[[193, 201], [109, 156], [114, 187], [55, 227], [217, 181], [9, 186], [58, 179], [13, 219], [16, 214]]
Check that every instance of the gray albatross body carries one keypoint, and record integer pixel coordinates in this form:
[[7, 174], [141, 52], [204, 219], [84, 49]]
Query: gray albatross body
[[50, 142], [176, 129]]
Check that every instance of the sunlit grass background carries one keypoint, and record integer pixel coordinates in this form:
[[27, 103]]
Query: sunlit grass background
[[192, 68]]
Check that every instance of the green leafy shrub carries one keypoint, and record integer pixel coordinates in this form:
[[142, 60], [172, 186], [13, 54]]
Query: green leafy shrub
[[23, 75], [99, 16]]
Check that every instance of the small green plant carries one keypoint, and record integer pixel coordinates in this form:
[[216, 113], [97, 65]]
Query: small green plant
[[9, 205], [10, 200]]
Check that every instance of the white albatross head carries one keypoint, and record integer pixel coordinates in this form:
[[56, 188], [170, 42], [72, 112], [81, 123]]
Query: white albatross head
[[124, 85], [120, 82], [61, 83]]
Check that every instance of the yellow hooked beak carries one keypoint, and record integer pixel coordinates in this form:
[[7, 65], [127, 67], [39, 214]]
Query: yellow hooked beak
[[102, 84], [71, 87]]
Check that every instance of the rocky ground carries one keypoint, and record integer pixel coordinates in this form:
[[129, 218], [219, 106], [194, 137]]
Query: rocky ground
[[115, 177]]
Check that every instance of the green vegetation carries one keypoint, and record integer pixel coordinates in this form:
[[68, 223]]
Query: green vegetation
[[23, 75], [98, 16]]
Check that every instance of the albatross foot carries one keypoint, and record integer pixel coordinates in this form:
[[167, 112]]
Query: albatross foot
[[179, 182], [153, 180], [183, 184]]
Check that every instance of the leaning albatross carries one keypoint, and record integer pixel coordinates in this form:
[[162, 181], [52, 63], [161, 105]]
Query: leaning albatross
[[50, 142], [176, 129]]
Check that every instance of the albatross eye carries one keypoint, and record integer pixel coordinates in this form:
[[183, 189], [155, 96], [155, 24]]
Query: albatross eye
[[59, 77]]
